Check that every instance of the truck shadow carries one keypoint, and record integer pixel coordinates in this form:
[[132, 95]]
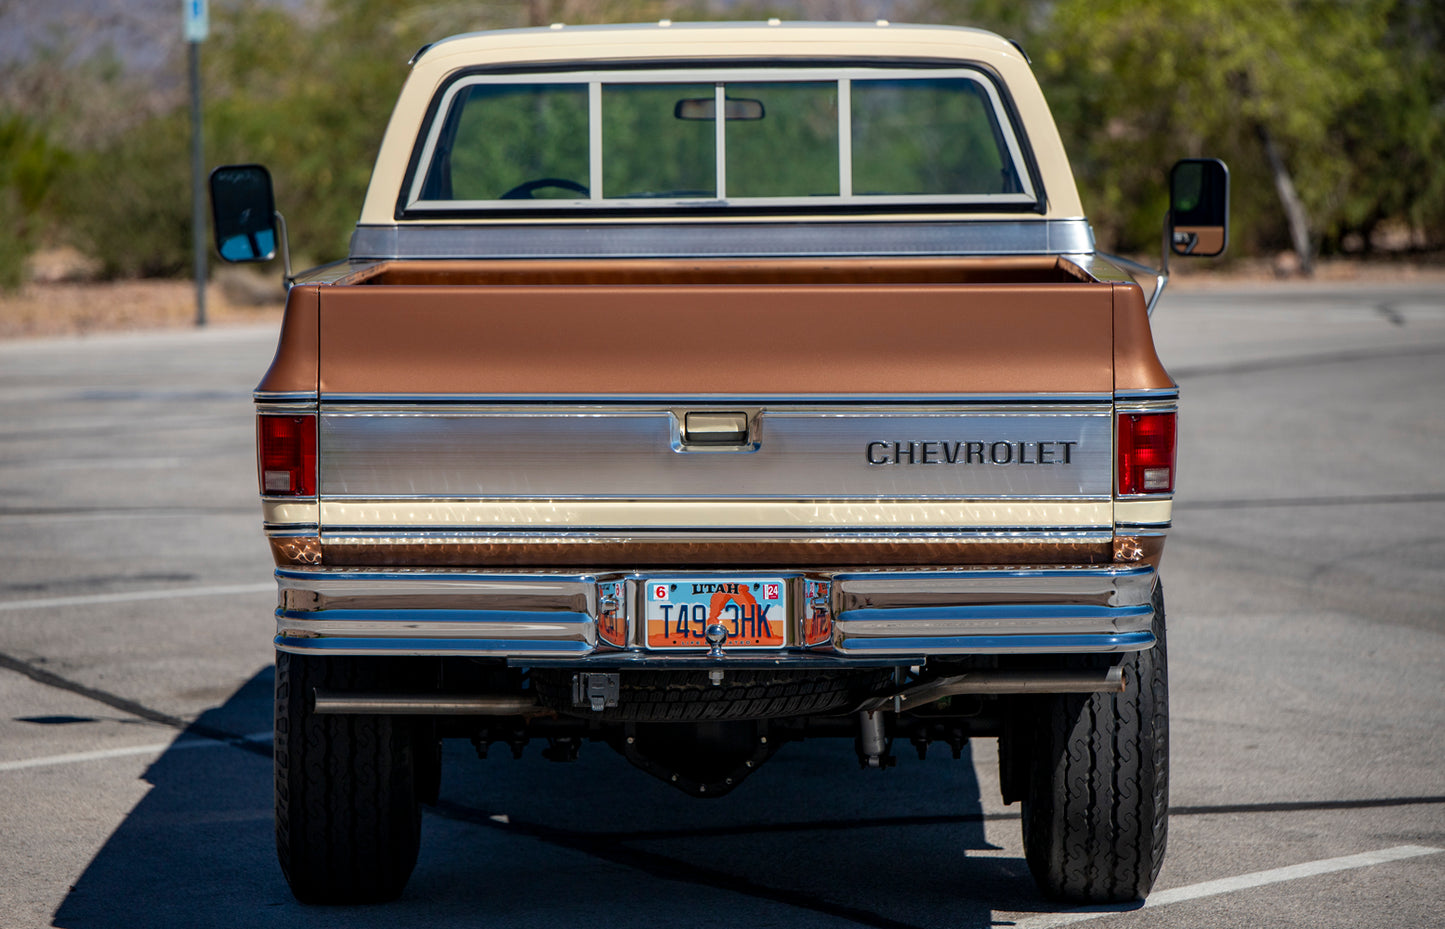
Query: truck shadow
[[810, 840]]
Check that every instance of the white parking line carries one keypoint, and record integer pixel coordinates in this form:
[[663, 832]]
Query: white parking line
[[104, 753], [168, 593], [1231, 884]]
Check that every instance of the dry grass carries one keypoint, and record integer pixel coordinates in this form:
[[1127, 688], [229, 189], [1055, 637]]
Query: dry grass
[[77, 309]]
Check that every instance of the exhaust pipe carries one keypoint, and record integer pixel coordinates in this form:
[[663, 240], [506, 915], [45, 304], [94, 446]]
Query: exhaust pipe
[[425, 705], [1102, 681]]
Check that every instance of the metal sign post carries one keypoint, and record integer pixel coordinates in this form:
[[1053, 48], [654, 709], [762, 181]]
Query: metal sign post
[[197, 25]]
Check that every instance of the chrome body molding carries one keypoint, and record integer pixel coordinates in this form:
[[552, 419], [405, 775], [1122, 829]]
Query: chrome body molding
[[783, 236], [285, 398], [396, 646], [814, 535], [297, 408], [792, 659], [1034, 644], [566, 618], [345, 515], [1162, 401], [1146, 394]]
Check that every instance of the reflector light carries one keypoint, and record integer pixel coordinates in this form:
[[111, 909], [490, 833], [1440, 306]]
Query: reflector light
[[1146, 453], [286, 455]]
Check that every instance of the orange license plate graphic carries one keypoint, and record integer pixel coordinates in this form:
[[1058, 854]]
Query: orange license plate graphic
[[753, 610]]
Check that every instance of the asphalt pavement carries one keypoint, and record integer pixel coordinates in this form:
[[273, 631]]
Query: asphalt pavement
[[1304, 579]]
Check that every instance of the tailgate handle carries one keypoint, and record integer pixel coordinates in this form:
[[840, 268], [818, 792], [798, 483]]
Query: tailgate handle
[[715, 428]]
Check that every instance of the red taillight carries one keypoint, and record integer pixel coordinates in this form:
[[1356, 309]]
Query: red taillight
[[1146, 453], [286, 455]]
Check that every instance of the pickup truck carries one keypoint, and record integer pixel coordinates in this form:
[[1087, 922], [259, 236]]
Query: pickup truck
[[697, 389]]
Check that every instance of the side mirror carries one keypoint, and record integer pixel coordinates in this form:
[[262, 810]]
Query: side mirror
[[1199, 207], [243, 209]]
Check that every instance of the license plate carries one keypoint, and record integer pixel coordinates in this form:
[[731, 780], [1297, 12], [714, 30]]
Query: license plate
[[753, 610]]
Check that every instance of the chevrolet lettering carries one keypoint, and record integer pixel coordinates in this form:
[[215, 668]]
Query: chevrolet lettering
[[691, 390], [967, 453]]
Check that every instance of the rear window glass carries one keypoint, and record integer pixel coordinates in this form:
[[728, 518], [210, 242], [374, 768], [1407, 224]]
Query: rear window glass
[[623, 140], [928, 137]]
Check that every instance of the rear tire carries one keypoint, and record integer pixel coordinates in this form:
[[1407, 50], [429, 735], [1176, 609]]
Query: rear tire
[[348, 821], [1096, 806]]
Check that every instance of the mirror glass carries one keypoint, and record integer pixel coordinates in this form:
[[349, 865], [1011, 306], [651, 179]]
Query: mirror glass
[[706, 109], [244, 211], [1199, 207]]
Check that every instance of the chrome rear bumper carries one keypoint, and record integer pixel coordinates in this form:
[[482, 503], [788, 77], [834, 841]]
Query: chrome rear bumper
[[593, 620]]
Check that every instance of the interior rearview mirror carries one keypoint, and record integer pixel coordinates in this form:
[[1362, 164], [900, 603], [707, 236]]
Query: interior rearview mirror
[[1199, 207], [243, 209], [706, 108]]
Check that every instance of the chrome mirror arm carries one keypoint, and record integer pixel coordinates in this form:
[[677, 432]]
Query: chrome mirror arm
[[288, 277], [1160, 275]]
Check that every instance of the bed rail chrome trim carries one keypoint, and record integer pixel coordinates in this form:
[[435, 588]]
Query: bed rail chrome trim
[[789, 236], [351, 403]]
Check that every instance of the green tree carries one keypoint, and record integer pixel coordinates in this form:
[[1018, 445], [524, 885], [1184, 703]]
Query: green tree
[[312, 101], [1240, 79], [126, 202], [1330, 98], [1395, 134], [29, 166]]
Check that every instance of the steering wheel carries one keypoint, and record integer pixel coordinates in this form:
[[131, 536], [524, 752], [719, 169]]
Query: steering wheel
[[524, 191]]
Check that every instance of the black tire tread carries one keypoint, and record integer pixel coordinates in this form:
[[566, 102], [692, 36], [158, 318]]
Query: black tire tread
[[1096, 814], [348, 822]]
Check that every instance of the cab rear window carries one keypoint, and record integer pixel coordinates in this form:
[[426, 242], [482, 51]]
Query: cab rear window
[[627, 140]]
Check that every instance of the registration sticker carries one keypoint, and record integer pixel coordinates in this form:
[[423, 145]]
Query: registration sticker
[[753, 610]]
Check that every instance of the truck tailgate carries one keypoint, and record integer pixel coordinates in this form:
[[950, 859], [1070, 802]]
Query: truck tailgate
[[687, 341], [886, 423]]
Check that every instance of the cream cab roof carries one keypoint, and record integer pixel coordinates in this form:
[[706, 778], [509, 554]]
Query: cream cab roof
[[666, 38], [560, 44]]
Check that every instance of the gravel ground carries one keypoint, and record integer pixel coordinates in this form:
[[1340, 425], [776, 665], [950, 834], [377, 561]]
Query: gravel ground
[[82, 309]]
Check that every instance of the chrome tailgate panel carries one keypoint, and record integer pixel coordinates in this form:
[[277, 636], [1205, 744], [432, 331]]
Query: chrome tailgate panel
[[794, 454]]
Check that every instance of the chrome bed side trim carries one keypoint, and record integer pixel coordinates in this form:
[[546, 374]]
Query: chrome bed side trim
[[789, 237]]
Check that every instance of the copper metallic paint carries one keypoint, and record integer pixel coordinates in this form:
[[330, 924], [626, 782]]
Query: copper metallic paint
[[631, 554], [1136, 363], [295, 550], [700, 339], [294, 369], [1139, 549]]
